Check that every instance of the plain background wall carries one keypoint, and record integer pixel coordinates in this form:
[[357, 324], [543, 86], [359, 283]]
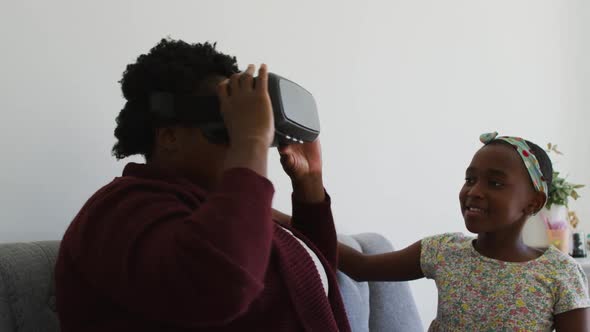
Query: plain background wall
[[404, 90]]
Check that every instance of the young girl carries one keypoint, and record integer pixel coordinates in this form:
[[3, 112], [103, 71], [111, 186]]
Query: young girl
[[493, 282]]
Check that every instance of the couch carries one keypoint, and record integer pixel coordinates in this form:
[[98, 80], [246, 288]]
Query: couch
[[27, 293], [377, 306]]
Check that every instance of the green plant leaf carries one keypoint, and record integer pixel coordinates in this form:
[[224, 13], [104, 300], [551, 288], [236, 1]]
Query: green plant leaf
[[561, 189]]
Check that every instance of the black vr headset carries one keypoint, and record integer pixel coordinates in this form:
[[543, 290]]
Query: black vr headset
[[295, 112]]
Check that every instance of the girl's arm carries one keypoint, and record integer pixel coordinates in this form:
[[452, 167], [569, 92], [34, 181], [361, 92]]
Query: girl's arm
[[281, 217], [577, 320], [398, 265]]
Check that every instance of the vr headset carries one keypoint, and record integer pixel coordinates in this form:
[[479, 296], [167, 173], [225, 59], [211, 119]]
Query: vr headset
[[295, 112]]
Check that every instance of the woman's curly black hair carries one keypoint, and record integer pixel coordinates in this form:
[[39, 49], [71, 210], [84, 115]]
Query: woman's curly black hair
[[170, 66]]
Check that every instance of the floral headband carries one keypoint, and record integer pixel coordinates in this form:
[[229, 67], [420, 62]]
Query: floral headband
[[524, 151]]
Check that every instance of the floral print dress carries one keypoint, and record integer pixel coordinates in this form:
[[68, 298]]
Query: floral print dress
[[477, 293]]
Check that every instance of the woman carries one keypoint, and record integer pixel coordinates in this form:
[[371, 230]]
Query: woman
[[186, 241]]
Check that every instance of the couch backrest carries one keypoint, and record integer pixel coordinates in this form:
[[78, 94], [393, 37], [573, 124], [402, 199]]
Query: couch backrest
[[27, 291]]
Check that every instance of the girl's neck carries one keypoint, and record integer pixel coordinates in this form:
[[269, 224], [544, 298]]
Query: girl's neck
[[507, 247]]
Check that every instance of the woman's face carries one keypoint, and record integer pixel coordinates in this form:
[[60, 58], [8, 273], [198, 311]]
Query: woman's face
[[189, 150], [498, 192]]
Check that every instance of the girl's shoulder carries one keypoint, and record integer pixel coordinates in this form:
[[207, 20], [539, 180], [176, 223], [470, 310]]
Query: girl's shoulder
[[442, 246], [562, 263], [454, 240], [566, 278], [444, 251]]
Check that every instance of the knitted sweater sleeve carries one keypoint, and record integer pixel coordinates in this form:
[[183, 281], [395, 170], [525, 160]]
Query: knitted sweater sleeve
[[315, 221], [153, 253]]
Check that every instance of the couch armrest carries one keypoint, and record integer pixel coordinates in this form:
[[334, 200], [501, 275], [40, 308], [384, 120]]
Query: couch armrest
[[377, 306], [27, 290]]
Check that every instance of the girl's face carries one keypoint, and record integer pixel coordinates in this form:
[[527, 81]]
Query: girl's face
[[498, 193]]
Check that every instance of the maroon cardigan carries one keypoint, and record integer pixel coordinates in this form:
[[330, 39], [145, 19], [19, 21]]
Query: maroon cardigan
[[153, 252]]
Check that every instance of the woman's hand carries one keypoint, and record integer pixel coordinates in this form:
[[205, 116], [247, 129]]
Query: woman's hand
[[247, 114], [246, 107], [303, 164]]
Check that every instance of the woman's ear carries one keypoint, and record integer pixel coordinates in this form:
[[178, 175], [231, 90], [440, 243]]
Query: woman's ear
[[167, 139]]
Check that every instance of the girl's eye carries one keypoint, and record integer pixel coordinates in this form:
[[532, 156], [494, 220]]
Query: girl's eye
[[469, 180]]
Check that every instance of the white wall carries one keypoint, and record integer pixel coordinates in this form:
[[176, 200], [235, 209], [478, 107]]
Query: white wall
[[404, 89]]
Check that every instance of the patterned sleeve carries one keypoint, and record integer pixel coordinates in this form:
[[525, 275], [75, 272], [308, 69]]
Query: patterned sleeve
[[431, 254], [572, 290]]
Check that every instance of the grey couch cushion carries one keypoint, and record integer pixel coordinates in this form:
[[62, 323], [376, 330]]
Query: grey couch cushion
[[354, 294], [377, 306], [27, 292]]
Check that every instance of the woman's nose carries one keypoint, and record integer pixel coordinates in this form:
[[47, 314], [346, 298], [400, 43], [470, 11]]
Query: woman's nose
[[476, 190]]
